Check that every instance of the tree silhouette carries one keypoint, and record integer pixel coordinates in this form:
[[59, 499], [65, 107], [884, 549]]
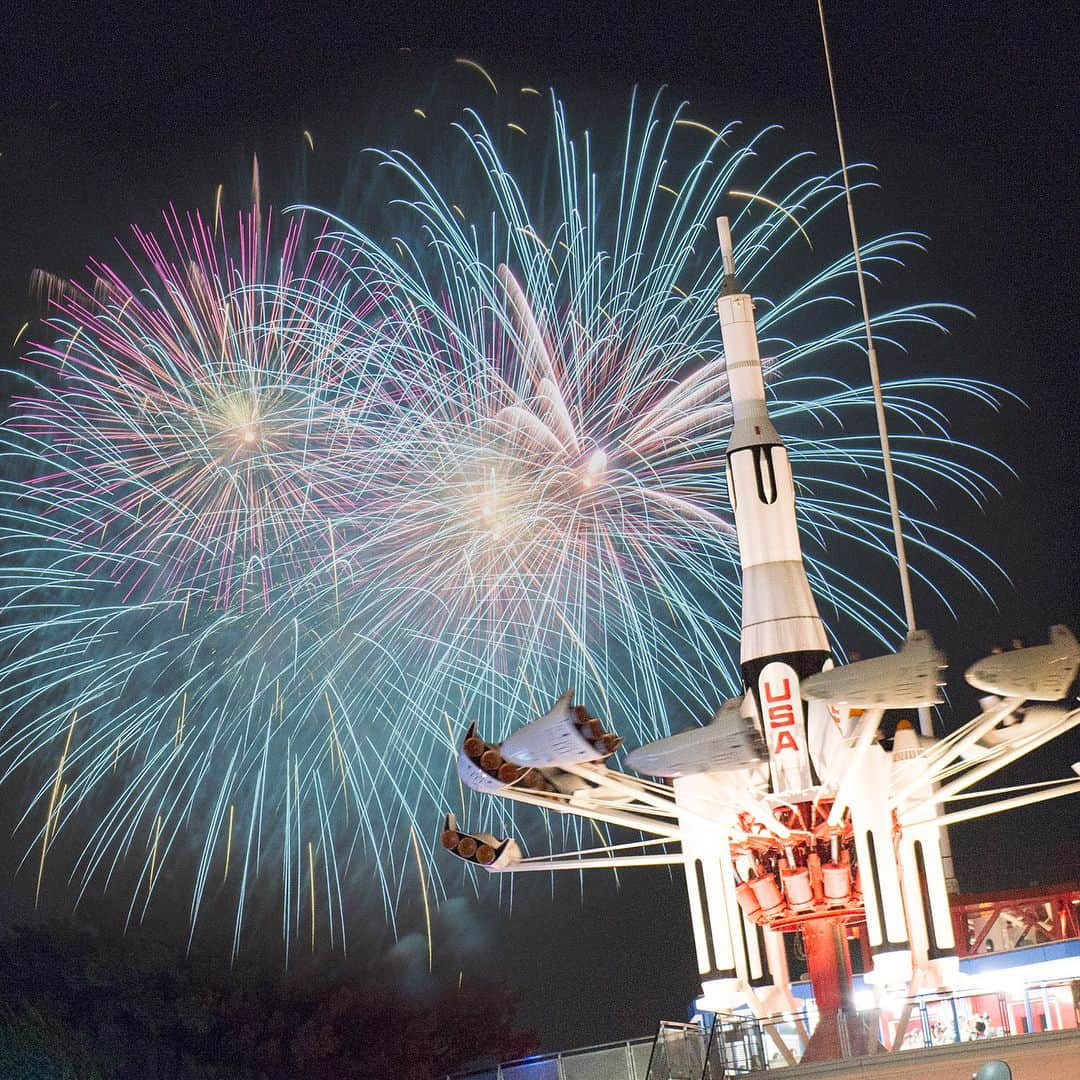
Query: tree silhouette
[[77, 1005]]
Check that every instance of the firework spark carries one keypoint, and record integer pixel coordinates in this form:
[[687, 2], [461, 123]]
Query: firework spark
[[557, 516], [459, 470], [190, 409]]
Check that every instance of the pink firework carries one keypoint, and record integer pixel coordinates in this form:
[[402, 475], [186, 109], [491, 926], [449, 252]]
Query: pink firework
[[197, 413]]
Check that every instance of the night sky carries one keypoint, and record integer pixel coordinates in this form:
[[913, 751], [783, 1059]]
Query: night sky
[[970, 113]]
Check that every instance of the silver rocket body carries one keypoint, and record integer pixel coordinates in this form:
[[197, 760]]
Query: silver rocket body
[[783, 640]]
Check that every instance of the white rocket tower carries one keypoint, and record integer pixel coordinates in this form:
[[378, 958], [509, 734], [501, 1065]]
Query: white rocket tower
[[783, 640]]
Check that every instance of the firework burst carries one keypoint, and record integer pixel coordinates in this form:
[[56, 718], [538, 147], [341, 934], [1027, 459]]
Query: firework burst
[[558, 513], [459, 471], [191, 412]]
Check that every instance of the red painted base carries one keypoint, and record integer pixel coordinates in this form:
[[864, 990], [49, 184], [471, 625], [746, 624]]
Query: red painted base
[[840, 1033], [838, 1036]]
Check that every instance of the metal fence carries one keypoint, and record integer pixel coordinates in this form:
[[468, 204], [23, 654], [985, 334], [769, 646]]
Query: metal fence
[[690, 1052], [745, 1045], [680, 1052], [734, 1045], [627, 1060]]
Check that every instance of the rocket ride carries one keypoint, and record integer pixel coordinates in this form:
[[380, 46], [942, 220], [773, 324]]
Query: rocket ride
[[787, 812]]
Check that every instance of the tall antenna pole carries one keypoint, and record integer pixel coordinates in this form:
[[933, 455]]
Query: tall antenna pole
[[926, 725], [871, 352]]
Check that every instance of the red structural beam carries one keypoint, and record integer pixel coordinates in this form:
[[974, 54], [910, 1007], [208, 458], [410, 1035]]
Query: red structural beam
[[1063, 903]]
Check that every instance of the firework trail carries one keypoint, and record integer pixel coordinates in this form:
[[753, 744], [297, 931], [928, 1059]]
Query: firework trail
[[191, 416], [558, 515], [281, 524], [187, 447]]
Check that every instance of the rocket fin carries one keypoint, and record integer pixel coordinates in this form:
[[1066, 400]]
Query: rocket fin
[[1038, 673], [564, 735], [828, 747], [904, 680]]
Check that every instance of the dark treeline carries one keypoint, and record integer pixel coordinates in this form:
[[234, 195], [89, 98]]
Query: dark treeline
[[77, 1005]]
